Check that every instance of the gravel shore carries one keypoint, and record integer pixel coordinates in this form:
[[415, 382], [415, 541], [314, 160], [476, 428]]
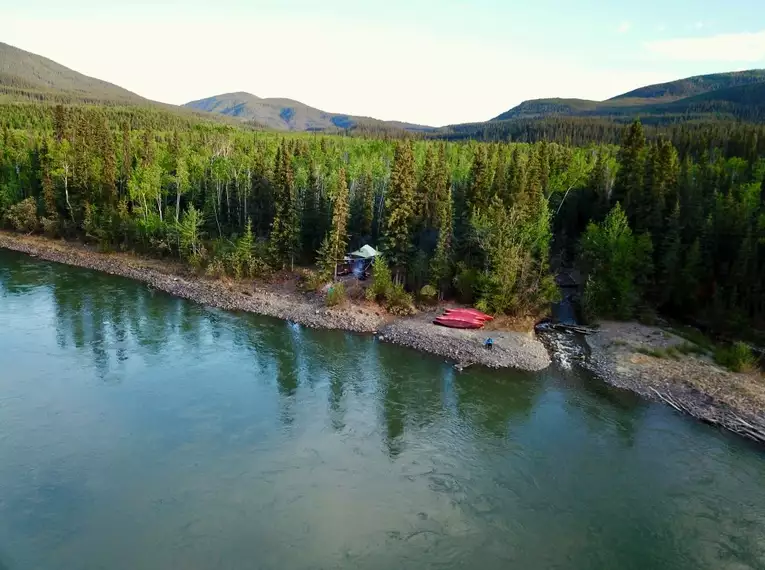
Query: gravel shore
[[511, 350], [690, 383]]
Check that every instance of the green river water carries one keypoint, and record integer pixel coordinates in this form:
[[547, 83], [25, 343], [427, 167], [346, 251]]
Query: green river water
[[140, 431]]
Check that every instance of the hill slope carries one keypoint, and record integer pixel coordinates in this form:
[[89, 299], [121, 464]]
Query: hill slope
[[288, 114], [30, 76], [737, 95], [692, 86]]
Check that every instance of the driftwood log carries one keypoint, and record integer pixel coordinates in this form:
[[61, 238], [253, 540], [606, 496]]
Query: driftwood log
[[731, 421]]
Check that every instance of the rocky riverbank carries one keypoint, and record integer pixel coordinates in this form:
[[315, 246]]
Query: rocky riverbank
[[662, 366], [511, 349]]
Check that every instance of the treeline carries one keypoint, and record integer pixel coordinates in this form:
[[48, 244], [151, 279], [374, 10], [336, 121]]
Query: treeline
[[682, 235], [469, 220], [690, 136], [674, 224]]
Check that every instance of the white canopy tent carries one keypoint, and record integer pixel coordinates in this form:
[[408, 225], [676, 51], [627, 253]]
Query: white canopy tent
[[365, 252]]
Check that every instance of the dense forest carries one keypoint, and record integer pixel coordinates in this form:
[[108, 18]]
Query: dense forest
[[672, 223]]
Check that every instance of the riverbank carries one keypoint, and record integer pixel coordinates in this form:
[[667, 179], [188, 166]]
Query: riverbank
[[662, 366], [512, 349]]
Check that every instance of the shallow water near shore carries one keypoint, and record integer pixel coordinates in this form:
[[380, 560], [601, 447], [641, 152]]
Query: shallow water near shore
[[138, 430]]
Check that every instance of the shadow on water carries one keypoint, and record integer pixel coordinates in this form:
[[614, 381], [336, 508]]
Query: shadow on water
[[493, 401]]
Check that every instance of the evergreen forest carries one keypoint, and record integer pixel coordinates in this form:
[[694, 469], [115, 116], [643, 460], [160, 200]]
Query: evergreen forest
[[668, 221]]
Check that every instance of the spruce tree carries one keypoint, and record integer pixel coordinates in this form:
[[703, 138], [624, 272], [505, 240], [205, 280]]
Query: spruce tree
[[362, 207], [478, 194], [629, 178], [285, 228], [441, 264], [338, 235], [400, 209]]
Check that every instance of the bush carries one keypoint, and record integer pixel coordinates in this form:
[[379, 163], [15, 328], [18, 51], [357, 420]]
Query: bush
[[399, 302], [336, 295], [616, 262], [738, 357], [50, 226], [382, 282], [216, 268], [22, 217], [428, 295], [310, 281], [466, 283]]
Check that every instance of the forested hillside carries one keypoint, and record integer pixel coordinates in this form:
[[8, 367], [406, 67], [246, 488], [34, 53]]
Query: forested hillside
[[478, 222], [736, 95], [289, 115], [25, 75]]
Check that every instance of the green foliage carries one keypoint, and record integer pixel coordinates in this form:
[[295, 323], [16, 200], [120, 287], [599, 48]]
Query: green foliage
[[515, 243], [428, 295], [189, 235], [615, 261], [400, 208], [737, 357], [382, 281], [475, 221], [467, 283], [398, 301], [675, 351], [310, 281], [336, 295], [441, 264], [334, 244], [22, 217]]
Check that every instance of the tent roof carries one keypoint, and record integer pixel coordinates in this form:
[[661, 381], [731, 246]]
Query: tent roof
[[365, 252]]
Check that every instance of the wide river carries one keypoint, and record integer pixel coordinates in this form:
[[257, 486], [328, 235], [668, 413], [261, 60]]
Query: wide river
[[140, 431]]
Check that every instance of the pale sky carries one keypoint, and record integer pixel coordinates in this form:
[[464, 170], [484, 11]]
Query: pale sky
[[422, 61]]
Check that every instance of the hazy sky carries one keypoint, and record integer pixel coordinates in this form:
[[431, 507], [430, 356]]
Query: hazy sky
[[423, 61]]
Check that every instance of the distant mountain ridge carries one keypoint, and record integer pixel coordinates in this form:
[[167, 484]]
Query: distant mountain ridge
[[27, 75], [739, 94], [288, 114]]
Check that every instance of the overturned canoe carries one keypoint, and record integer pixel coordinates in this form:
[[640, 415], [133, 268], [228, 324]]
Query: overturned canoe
[[469, 313], [459, 322]]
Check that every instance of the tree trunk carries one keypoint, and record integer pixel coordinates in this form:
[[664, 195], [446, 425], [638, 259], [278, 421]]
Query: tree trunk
[[66, 193]]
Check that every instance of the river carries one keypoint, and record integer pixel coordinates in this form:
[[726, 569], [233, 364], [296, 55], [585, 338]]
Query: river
[[140, 431]]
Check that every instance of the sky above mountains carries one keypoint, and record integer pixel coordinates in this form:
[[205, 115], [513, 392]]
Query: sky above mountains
[[423, 61]]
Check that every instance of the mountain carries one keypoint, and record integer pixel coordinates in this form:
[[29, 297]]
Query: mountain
[[24, 75], [698, 85], [289, 115], [737, 95]]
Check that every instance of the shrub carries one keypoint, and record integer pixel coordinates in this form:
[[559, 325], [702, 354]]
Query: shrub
[[382, 282], [428, 295], [738, 357], [336, 295], [22, 217], [50, 226], [617, 262], [466, 282], [399, 302], [216, 268], [310, 281]]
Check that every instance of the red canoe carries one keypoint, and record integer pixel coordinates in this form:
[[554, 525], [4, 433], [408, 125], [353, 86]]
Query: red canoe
[[459, 322], [474, 313]]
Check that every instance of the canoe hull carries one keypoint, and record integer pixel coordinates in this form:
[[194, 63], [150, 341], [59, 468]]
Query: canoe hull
[[468, 313], [459, 323]]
